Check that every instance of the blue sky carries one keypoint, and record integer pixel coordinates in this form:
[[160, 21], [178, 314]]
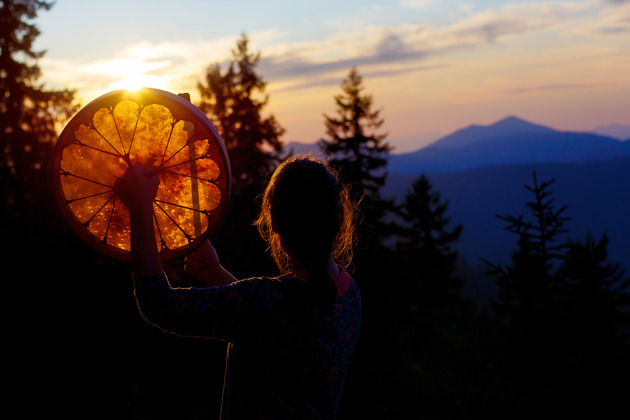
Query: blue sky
[[433, 66]]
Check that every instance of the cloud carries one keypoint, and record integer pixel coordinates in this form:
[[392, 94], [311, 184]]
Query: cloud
[[613, 19], [408, 46], [174, 65], [553, 87], [310, 82], [509, 20], [418, 4], [376, 47], [376, 50]]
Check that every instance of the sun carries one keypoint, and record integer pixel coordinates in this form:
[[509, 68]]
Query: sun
[[137, 81], [135, 73]]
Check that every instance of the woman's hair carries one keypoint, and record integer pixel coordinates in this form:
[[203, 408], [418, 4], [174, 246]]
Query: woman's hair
[[306, 215]]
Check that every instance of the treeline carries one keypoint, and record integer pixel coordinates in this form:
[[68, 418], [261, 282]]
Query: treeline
[[552, 343]]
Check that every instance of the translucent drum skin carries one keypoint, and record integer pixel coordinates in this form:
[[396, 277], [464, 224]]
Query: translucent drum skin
[[167, 134]]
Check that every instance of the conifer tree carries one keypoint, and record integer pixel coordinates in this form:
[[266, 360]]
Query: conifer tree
[[29, 113], [595, 332], [426, 245], [234, 101], [528, 287], [598, 299], [360, 153], [435, 333], [562, 306]]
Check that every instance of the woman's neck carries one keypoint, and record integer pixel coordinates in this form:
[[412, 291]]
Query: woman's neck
[[331, 266]]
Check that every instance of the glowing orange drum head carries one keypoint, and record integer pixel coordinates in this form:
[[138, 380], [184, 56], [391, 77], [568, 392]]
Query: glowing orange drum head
[[162, 131]]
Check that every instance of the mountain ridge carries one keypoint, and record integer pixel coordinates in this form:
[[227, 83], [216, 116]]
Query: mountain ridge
[[618, 131], [509, 141], [506, 127]]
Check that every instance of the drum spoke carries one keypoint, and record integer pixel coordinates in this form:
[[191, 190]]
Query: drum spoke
[[80, 143], [106, 141], [205, 156], [176, 153], [159, 231], [111, 112], [168, 141], [211, 181], [109, 222], [181, 206], [99, 210], [66, 173], [133, 136], [174, 222], [87, 196]]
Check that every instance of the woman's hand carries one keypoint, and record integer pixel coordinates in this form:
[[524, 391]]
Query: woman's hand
[[203, 264], [137, 188]]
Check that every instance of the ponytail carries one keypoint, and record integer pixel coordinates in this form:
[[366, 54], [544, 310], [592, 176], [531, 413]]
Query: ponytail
[[306, 217], [321, 286]]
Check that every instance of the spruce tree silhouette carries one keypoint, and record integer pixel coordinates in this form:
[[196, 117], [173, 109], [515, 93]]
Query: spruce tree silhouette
[[562, 306], [595, 331], [426, 246], [433, 330], [28, 117], [360, 154], [527, 287], [234, 101], [599, 296]]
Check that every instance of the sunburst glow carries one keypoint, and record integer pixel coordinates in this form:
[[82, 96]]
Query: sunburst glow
[[137, 81], [134, 73]]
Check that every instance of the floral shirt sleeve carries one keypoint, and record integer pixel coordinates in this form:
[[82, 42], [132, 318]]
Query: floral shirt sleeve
[[226, 312]]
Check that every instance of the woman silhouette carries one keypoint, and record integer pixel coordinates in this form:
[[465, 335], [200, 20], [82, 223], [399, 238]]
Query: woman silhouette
[[292, 336]]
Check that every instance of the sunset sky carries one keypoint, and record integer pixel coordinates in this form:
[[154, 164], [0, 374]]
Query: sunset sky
[[433, 66]]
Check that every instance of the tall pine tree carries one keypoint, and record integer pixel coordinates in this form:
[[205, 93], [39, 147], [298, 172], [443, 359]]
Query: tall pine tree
[[29, 115], [528, 287], [234, 100], [598, 299], [433, 337], [360, 153], [425, 243]]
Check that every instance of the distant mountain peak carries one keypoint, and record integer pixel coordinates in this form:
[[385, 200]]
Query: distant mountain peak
[[515, 125], [511, 119], [506, 127]]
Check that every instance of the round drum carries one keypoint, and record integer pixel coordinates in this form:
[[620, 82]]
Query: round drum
[[167, 134]]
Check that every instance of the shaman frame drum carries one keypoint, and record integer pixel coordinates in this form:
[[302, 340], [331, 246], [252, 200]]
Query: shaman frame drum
[[167, 134]]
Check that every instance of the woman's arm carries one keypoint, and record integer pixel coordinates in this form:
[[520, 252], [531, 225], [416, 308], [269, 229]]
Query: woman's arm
[[138, 190], [203, 264], [185, 311]]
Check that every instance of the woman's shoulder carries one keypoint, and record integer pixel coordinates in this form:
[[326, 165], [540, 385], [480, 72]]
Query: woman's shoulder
[[272, 286]]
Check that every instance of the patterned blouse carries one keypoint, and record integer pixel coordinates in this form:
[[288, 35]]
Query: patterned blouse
[[288, 357]]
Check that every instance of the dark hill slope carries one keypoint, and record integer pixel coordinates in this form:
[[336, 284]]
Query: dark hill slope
[[597, 195]]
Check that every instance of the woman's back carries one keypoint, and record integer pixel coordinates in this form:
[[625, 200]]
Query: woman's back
[[296, 364]]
